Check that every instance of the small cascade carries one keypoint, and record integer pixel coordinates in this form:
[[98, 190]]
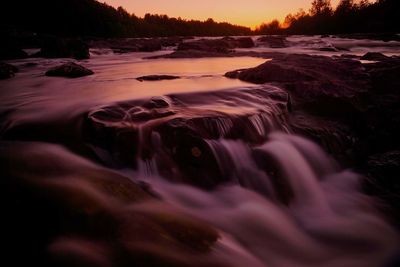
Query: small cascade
[[326, 222]]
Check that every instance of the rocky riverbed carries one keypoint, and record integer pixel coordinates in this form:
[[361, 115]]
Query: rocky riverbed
[[259, 151]]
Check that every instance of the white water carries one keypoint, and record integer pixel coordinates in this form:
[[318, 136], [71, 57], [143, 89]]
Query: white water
[[328, 222], [287, 204]]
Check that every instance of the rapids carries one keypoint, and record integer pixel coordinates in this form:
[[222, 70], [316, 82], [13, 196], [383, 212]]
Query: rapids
[[216, 155]]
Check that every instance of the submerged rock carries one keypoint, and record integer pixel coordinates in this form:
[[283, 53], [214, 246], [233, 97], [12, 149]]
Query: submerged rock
[[7, 70], [157, 78], [69, 70], [374, 56]]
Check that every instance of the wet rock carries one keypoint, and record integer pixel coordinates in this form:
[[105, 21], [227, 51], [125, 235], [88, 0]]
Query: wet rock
[[11, 51], [173, 129], [241, 42], [128, 45], [69, 70], [207, 45], [171, 41], [205, 54], [193, 54], [83, 214], [157, 78], [222, 46], [7, 70], [319, 83], [372, 36], [245, 42], [274, 41], [373, 56], [383, 171], [30, 64], [54, 47], [328, 49]]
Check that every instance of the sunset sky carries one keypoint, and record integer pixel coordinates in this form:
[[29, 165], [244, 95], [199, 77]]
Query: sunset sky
[[244, 12]]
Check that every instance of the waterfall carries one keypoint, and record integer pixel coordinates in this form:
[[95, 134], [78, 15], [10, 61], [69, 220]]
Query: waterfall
[[326, 221]]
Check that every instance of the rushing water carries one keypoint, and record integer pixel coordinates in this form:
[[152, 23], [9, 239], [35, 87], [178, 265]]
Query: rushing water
[[217, 149]]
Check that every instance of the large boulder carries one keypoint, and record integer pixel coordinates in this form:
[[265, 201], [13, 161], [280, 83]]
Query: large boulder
[[320, 83], [7, 70], [54, 47], [245, 42], [82, 214], [274, 41], [180, 124], [69, 70]]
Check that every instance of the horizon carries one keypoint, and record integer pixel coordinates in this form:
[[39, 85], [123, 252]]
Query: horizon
[[250, 14]]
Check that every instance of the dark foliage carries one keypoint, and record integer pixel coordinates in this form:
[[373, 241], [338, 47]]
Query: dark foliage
[[92, 18], [349, 17]]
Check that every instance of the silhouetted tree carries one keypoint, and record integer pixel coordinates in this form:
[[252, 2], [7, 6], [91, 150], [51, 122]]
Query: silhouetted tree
[[320, 7], [344, 7], [92, 18], [348, 17], [272, 27]]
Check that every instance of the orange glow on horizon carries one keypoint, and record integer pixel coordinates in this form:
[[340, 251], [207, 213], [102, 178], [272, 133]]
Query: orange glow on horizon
[[249, 13]]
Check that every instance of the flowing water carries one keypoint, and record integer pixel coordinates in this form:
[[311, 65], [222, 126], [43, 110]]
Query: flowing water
[[217, 149]]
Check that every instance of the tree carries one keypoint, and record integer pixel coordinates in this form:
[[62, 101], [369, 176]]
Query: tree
[[273, 27], [345, 7], [321, 7]]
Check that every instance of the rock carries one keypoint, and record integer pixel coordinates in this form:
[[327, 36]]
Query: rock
[[171, 41], [244, 42], [374, 56], [320, 83], [206, 45], [63, 48], [150, 45], [157, 78], [11, 51], [224, 45], [383, 171], [7, 70], [30, 64], [128, 45], [82, 214], [372, 36], [181, 123], [328, 49], [69, 70], [274, 41]]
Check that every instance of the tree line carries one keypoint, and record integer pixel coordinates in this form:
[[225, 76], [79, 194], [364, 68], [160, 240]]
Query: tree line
[[349, 16], [92, 18]]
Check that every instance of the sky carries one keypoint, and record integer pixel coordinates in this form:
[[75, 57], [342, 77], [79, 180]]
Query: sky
[[249, 13]]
